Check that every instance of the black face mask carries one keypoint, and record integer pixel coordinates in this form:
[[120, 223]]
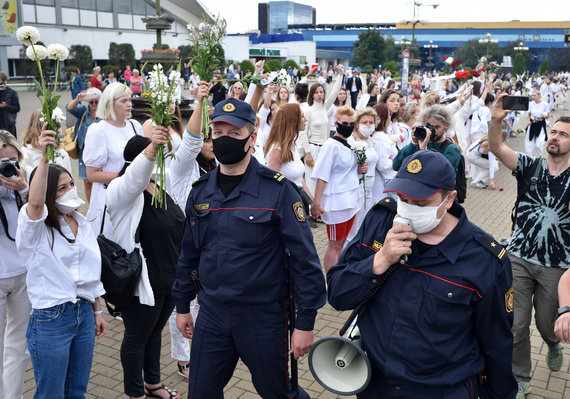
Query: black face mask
[[344, 131], [229, 150]]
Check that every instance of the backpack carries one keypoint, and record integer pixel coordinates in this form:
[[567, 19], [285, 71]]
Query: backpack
[[460, 177]]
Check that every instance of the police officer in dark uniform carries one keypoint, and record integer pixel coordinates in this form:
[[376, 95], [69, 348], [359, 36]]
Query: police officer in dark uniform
[[440, 327], [246, 233]]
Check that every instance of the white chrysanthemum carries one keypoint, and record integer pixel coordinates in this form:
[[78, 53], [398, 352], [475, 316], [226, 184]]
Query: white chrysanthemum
[[201, 26], [41, 52], [28, 35], [57, 115], [57, 52], [449, 60]]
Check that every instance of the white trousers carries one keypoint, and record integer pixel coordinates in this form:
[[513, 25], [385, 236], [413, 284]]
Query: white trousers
[[15, 311], [537, 143], [180, 346]]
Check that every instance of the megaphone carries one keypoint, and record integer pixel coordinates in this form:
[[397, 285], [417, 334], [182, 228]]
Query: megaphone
[[340, 364]]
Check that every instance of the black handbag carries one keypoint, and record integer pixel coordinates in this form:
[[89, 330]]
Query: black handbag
[[120, 271]]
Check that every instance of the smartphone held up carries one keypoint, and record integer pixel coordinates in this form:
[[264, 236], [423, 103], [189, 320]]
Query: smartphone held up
[[516, 103]]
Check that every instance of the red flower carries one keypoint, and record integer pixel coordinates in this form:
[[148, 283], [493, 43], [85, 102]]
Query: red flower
[[483, 69], [456, 63], [443, 59], [461, 75], [473, 48], [475, 73]]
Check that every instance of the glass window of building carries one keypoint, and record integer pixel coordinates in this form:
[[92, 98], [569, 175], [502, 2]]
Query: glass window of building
[[70, 3], [105, 5], [87, 4], [124, 6], [45, 2]]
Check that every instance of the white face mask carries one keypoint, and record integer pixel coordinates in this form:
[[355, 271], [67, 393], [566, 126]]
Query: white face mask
[[366, 131], [424, 218], [69, 202]]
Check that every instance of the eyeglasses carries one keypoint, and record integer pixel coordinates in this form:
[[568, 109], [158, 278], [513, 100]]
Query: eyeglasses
[[351, 124], [93, 102]]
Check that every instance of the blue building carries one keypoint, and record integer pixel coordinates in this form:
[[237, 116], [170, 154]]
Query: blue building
[[277, 16]]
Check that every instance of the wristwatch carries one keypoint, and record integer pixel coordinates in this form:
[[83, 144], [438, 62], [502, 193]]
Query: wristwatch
[[562, 310]]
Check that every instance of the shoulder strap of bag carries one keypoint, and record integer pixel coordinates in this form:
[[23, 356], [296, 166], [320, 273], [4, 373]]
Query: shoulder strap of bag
[[80, 123], [137, 233], [133, 126]]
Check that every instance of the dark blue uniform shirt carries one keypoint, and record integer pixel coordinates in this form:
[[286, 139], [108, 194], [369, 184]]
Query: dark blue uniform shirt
[[238, 244], [440, 319]]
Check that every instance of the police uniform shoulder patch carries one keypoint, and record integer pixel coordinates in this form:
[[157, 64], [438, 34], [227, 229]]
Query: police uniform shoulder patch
[[493, 246], [299, 211], [273, 175], [387, 202], [510, 300], [202, 178]]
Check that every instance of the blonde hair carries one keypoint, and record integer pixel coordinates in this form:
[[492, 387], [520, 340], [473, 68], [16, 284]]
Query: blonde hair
[[431, 98], [96, 69], [6, 139], [33, 130], [345, 110], [106, 109], [368, 111]]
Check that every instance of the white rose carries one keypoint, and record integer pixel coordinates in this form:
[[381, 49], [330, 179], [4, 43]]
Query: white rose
[[28, 35], [41, 52], [57, 115], [449, 60], [57, 52]]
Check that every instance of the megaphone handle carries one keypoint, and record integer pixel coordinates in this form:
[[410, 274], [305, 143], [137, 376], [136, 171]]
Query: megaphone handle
[[368, 298]]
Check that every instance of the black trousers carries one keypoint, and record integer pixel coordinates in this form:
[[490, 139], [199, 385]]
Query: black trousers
[[354, 98], [140, 351]]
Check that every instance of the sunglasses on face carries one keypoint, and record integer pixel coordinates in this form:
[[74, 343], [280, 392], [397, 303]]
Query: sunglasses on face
[[93, 102], [351, 124]]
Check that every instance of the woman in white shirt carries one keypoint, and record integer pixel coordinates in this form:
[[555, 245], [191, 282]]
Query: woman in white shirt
[[538, 113], [318, 125], [64, 269], [391, 98], [283, 95], [14, 303], [385, 147], [104, 144], [341, 101], [280, 152], [31, 148], [337, 193], [366, 121]]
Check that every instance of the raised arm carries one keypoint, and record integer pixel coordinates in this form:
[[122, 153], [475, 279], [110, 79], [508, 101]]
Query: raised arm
[[38, 186], [496, 144]]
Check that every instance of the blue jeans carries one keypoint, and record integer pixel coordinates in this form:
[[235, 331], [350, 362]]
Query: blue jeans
[[61, 340]]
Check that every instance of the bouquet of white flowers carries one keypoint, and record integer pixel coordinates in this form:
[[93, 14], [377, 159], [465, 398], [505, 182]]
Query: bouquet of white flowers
[[163, 93], [359, 149], [52, 114], [206, 38]]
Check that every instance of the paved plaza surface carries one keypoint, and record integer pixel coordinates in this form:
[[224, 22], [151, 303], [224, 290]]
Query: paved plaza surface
[[489, 209]]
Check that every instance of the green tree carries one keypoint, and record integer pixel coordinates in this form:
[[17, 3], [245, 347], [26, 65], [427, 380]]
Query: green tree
[[290, 63], [121, 54], [272, 65], [472, 51], [186, 52], [391, 66], [519, 65], [369, 48], [81, 56], [544, 67], [390, 50], [247, 66]]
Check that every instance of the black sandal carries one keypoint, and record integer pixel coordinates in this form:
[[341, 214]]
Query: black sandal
[[182, 368], [172, 392]]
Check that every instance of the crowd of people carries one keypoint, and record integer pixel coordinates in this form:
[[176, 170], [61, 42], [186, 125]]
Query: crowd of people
[[350, 150]]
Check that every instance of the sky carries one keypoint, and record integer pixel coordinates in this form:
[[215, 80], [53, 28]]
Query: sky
[[241, 15]]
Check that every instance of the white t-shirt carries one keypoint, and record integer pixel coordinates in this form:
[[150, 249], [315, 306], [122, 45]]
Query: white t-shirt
[[337, 166], [104, 146], [66, 271], [33, 156], [292, 170], [537, 110]]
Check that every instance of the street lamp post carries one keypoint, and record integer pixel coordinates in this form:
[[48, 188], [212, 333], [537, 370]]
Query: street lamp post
[[404, 42], [521, 47], [430, 46], [488, 41]]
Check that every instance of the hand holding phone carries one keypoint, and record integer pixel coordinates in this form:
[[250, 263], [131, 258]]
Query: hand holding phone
[[399, 221]]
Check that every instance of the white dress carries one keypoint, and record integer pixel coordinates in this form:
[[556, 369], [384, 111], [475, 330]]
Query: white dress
[[386, 150], [292, 170], [337, 166], [104, 145], [366, 186]]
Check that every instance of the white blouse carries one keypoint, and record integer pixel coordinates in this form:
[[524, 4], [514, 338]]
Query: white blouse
[[337, 165], [11, 264], [33, 156], [292, 170], [59, 271]]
